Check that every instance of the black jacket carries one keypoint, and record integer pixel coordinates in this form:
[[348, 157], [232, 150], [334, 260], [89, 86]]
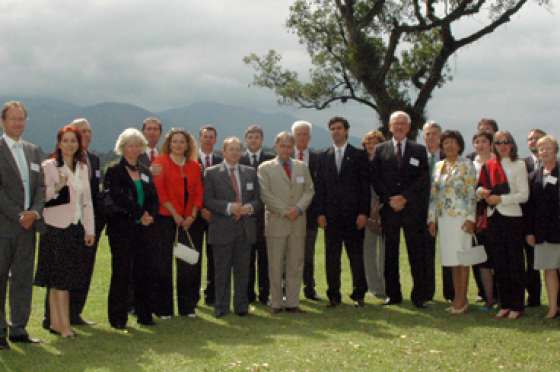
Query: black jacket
[[119, 197], [344, 195], [95, 183], [199, 222], [412, 179], [542, 209], [311, 212]]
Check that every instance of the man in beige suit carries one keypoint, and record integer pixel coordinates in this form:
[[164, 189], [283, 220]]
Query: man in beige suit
[[286, 190]]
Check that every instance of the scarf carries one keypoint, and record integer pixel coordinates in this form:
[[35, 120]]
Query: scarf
[[492, 177]]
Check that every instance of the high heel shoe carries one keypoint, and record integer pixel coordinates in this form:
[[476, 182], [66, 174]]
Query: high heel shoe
[[513, 315], [502, 313], [459, 311]]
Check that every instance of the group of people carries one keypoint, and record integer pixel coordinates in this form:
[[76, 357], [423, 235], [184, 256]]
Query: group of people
[[254, 217]]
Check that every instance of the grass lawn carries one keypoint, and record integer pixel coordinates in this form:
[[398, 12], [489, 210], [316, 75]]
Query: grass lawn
[[345, 338]]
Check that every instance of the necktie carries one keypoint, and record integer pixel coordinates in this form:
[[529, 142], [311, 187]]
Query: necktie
[[254, 162], [432, 164], [234, 184], [288, 170], [152, 155], [207, 161], [24, 173], [300, 155], [338, 160], [399, 153]]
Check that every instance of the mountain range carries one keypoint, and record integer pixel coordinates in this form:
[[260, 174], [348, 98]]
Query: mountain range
[[109, 119]]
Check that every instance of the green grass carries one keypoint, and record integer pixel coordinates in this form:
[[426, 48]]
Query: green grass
[[345, 338]]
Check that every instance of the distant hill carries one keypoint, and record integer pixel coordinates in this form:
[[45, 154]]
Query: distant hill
[[111, 118]]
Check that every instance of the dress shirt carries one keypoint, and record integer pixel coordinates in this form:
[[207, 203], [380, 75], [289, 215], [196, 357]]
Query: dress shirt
[[238, 179], [16, 148], [258, 154], [75, 182], [339, 155], [203, 157], [305, 155], [403, 145], [149, 151]]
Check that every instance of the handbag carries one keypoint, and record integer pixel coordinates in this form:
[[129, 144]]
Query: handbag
[[472, 255], [62, 198], [184, 252]]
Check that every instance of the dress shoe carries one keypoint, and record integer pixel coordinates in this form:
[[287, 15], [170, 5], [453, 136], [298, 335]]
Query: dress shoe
[[264, 301], [242, 313], [46, 324], [275, 310], [146, 322], [79, 321], [419, 304], [219, 314], [312, 297], [390, 301], [533, 303], [119, 326], [24, 339], [4, 344], [333, 303], [209, 301], [359, 303], [296, 309]]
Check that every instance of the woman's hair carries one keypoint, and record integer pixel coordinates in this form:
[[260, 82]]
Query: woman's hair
[[550, 139], [191, 150], [375, 134], [127, 136], [453, 134], [484, 134], [78, 155], [513, 155]]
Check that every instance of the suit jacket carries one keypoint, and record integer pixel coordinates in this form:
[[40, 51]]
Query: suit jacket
[[245, 160], [219, 192], [311, 212], [530, 164], [279, 193], [200, 223], [95, 177], [62, 215], [543, 209], [12, 195], [344, 195], [412, 179], [120, 191]]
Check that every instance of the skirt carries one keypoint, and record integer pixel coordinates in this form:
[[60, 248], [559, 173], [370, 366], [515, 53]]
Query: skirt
[[62, 258], [547, 256], [452, 239]]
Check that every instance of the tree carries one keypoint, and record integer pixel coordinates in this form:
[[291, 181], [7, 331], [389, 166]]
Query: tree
[[386, 54]]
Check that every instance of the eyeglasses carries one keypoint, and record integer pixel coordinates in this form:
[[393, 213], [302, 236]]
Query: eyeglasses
[[503, 142]]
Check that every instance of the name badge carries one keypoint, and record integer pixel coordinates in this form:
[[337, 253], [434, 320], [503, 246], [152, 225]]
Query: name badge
[[145, 178], [551, 179], [35, 167], [300, 180], [250, 186], [415, 162], [98, 174]]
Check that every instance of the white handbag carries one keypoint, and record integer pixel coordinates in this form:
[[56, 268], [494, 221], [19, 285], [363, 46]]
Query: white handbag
[[472, 254], [184, 252]]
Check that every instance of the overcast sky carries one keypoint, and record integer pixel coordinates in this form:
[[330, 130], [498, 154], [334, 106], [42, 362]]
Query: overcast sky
[[163, 54]]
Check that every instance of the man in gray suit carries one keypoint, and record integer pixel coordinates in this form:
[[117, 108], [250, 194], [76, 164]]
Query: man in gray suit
[[231, 193], [21, 205]]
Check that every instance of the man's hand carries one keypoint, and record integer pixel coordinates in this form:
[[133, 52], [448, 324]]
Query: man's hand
[[397, 202], [206, 214], [432, 229], [361, 221], [89, 240], [236, 209], [292, 214], [26, 219], [322, 221]]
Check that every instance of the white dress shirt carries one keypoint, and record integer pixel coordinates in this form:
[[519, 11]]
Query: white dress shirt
[[203, 157], [403, 145], [16, 148], [258, 154], [305, 155]]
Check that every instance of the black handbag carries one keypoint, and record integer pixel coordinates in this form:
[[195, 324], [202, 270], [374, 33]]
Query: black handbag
[[62, 198]]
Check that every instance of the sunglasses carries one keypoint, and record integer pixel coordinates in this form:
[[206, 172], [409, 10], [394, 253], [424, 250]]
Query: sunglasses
[[503, 142]]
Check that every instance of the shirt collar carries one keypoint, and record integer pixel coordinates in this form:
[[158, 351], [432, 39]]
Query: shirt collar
[[343, 147], [10, 141], [149, 150], [203, 155], [403, 142], [258, 153], [305, 152], [229, 166]]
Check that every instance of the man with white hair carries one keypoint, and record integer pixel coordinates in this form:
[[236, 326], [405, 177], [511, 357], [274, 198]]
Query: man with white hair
[[402, 181], [301, 130]]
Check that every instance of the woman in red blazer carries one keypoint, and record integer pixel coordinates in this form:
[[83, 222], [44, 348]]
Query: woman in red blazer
[[179, 188]]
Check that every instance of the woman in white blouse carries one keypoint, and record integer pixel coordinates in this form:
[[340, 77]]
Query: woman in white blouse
[[68, 216], [504, 187]]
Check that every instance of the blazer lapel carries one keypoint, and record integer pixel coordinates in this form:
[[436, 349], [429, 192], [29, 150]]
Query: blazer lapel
[[280, 169], [8, 155], [345, 157], [331, 161]]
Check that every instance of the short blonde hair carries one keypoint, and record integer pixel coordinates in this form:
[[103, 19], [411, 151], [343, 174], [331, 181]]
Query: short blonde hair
[[80, 123], [13, 104], [550, 139], [127, 136], [374, 134], [191, 151], [230, 141]]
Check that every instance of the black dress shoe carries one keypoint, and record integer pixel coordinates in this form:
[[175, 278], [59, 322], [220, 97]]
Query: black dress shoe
[[79, 321], [359, 303], [209, 301], [25, 339], [296, 310], [219, 314], [390, 301], [119, 326], [263, 300], [275, 310], [333, 303], [46, 324], [242, 313], [420, 304], [533, 304], [312, 297], [146, 322], [4, 344]]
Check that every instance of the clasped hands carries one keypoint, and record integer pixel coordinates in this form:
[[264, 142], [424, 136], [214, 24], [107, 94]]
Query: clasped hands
[[397, 202], [185, 223], [239, 210], [488, 198]]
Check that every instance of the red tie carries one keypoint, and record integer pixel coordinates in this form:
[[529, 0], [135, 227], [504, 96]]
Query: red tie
[[234, 184], [300, 156], [152, 155], [207, 161], [287, 169]]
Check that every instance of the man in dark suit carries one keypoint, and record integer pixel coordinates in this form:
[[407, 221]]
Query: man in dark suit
[[343, 200], [254, 156], [431, 132], [151, 129], [231, 193], [207, 157], [532, 276], [402, 181], [21, 204], [301, 130]]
